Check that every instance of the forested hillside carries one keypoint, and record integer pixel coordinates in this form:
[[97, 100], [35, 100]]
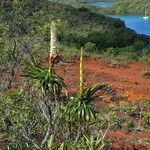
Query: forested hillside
[[121, 7], [29, 22], [131, 6], [76, 1]]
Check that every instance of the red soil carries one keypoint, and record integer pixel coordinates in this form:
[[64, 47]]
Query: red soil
[[126, 80], [122, 140]]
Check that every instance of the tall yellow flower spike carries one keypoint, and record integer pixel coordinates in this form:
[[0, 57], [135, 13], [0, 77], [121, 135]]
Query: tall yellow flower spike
[[81, 73]]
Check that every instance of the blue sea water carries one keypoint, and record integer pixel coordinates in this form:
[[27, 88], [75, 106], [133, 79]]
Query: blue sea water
[[135, 22]]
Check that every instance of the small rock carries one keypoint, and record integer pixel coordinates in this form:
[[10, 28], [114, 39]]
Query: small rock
[[136, 83]]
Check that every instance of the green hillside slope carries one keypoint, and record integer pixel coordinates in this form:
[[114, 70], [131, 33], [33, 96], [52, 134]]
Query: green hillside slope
[[131, 6], [29, 22], [122, 6]]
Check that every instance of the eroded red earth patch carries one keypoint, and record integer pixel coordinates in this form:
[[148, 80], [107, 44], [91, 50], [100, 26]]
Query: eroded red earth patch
[[126, 80]]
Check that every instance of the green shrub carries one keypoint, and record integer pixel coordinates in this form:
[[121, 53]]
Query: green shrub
[[146, 117], [19, 115], [90, 47], [145, 58], [93, 143]]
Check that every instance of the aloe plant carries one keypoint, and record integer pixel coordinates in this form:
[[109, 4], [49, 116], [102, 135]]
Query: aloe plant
[[93, 143], [46, 78], [81, 107]]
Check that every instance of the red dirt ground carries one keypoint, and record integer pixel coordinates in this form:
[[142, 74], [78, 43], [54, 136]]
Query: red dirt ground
[[126, 80], [122, 140]]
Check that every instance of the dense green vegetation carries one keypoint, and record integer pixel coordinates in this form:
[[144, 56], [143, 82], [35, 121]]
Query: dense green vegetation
[[75, 2], [124, 7], [120, 7], [130, 6], [25, 28]]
